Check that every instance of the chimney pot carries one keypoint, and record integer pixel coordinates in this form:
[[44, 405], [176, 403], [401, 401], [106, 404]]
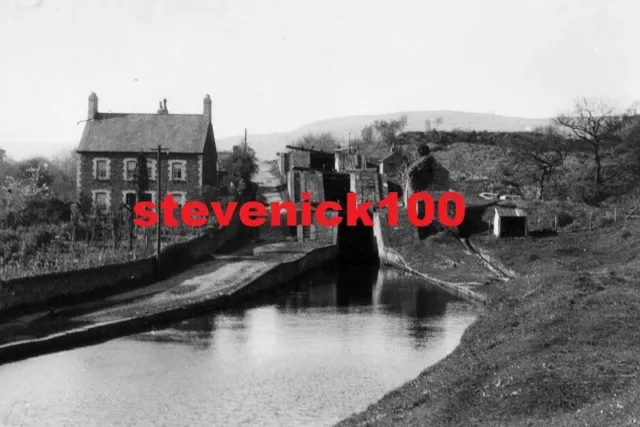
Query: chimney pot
[[207, 109], [93, 106]]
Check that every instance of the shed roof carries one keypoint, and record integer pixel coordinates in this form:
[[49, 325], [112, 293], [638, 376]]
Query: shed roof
[[126, 133], [509, 212], [394, 154]]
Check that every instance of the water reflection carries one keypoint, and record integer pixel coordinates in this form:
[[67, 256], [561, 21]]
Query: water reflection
[[332, 343]]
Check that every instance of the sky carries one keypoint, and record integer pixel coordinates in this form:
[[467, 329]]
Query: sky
[[273, 66]]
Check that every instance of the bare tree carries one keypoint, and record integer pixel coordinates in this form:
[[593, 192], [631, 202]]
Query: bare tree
[[427, 125], [538, 156], [438, 122], [368, 134], [595, 124]]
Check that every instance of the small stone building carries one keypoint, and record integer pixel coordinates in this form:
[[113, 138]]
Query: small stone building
[[426, 174], [392, 164], [509, 222]]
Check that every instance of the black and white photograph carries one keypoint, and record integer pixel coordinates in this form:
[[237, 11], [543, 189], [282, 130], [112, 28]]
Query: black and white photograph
[[319, 213]]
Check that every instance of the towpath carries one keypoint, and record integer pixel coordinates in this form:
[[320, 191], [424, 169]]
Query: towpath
[[206, 282], [272, 187]]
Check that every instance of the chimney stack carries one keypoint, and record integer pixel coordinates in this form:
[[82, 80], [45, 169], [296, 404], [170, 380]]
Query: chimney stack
[[207, 109], [93, 106], [162, 107]]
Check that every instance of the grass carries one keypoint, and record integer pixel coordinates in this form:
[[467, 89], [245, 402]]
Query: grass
[[61, 255], [556, 347]]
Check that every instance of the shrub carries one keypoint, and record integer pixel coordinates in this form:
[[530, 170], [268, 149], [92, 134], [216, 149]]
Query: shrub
[[564, 218], [45, 211]]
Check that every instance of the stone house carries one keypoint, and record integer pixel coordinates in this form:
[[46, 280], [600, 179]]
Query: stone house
[[426, 174], [111, 143], [392, 164]]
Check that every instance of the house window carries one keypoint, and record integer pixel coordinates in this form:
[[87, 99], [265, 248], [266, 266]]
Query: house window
[[146, 197], [130, 199], [177, 170], [102, 169], [129, 170], [101, 202]]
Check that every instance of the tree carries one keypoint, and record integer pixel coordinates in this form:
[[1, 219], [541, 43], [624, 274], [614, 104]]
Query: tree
[[242, 165], [367, 134], [322, 142], [596, 125], [389, 129], [538, 155], [427, 125], [438, 122], [629, 151], [141, 176]]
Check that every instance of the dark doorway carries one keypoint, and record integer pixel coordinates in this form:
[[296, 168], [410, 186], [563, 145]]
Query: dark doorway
[[513, 226], [322, 161], [336, 187]]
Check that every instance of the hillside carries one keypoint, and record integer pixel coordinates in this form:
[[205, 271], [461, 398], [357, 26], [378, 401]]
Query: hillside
[[267, 145]]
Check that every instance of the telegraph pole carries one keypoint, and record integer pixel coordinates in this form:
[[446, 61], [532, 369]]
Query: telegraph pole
[[245, 139], [158, 199]]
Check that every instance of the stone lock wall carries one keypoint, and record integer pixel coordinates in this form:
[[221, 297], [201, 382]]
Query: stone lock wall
[[312, 182], [366, 184]]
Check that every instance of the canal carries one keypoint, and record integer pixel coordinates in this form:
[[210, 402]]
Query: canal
[[333, 342]]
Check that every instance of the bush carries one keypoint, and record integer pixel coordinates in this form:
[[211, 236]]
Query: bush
[[564, 218], [44, 212]]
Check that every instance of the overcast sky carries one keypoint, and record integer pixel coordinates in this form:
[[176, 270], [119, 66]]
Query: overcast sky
[[276, 65]]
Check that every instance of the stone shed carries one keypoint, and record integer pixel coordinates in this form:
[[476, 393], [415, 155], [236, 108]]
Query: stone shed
[[509, 222]]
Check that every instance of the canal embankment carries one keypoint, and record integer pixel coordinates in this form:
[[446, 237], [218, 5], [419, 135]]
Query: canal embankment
[[440, 259], [209, 285], [556, 346]]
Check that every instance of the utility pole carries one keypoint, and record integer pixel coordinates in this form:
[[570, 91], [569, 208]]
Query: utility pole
[[158, 199], [245, 139]]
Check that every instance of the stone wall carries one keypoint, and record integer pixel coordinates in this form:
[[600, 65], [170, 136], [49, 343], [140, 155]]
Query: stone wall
[[41, 289], [312, 182], [116, 183], [366, 185], [300, 159]]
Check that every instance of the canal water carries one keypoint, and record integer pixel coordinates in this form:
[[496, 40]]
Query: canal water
[[331, 344]]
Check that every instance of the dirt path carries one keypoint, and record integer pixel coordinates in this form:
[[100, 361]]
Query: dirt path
[[268, 183]]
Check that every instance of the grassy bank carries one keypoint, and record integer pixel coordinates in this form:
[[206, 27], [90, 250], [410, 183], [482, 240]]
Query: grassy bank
[[559, 346]]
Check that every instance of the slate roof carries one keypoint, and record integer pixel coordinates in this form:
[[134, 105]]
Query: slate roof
[[394, 154], [132, 133], [510, 212]]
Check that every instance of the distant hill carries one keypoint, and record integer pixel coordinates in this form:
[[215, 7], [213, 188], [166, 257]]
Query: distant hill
[[267, 145]]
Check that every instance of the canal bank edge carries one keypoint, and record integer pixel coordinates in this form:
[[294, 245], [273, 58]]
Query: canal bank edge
[[262, 281], [391, 257]]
